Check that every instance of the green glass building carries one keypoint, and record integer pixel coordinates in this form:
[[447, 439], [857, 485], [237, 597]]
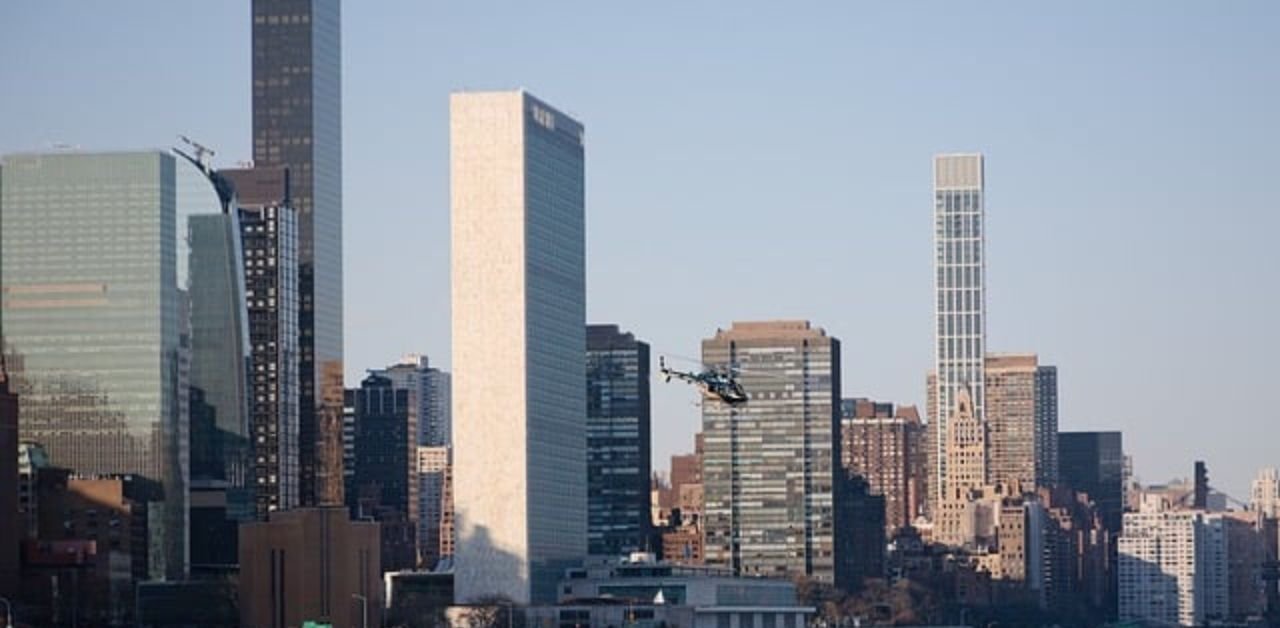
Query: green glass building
[[92, 322]]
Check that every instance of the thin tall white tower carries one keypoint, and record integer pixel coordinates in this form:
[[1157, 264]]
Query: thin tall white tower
[[960, 297]]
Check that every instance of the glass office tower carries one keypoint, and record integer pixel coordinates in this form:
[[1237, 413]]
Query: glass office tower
[[211, 278], [618, 465], [1093, 463], [93, 321], [211, 282], [297, 124], [269, 235], [386, 448]]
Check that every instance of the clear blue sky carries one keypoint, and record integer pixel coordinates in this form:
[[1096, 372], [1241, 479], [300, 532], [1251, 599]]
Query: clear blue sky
[[755, 160]]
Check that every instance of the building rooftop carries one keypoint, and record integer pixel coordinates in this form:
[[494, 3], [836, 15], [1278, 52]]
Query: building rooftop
[[996, 361], [743, 330]]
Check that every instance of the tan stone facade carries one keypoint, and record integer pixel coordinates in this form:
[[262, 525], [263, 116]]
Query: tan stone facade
[[961, 516], [682, 544], [435, 523], [1021, 424], [1021, 420], [310, 564]]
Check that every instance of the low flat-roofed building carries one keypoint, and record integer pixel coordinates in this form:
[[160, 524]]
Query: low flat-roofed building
[[644, 593], [702, 595], [310, 564], [617, 613]]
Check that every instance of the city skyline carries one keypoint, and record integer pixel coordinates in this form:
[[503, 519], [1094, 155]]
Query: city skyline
[[1041, 288]]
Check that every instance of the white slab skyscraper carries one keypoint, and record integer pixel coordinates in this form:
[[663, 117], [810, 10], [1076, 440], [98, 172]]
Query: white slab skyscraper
[[519, 399]]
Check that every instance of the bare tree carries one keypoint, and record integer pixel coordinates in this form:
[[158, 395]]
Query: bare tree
[[496, 611]]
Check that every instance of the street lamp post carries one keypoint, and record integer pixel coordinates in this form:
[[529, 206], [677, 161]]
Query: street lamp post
[[8, 613], [364, 609]]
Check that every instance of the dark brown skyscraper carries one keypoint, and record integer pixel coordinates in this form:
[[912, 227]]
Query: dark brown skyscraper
[[385, 480], [269, 226], [297, 123]]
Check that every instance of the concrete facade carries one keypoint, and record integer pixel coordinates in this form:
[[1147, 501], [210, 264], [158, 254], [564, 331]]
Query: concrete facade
[[1173, 566], [1264, 493], [624, 594], [310, 564], [518, 284]]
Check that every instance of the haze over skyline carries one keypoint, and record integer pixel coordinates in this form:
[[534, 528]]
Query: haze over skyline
[[764, 163]]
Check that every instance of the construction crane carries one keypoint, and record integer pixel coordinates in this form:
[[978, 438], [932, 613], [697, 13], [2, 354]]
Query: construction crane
[[201, 151], [201, 160], [1200, 491]]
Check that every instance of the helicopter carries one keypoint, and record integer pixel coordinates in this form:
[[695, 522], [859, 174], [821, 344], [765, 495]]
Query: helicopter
[[715, 383]]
